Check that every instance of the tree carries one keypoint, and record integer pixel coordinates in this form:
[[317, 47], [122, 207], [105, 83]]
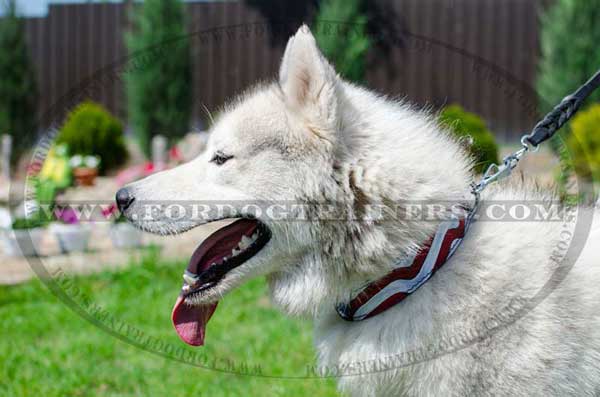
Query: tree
[[341, 32], [570, 47], [158, 82], [18, 88]]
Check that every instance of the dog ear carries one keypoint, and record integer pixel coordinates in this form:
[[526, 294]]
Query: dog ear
[[307, 80]]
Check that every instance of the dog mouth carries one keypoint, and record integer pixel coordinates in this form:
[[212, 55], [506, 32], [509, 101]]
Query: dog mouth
[[224, 250]]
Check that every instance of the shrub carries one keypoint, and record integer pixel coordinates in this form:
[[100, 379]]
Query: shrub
[[340, 32], [92, 130], [468, 125], [18, 89], [158, 89], [583, 143]]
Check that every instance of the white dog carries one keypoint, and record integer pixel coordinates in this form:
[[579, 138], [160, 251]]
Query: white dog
[[312, 138]]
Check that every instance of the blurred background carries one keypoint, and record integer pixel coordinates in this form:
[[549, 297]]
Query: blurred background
[[96, 94]]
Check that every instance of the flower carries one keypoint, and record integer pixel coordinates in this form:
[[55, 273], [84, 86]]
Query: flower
[[67, 215], [79, 161]]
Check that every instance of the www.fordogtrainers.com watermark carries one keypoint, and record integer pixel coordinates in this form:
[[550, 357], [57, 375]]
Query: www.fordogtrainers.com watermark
[[201, 211]]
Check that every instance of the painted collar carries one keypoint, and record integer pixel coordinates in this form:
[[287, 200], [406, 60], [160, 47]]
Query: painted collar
[[410, 273]]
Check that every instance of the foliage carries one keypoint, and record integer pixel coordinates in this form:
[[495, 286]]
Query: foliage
[[564, 177], [79, 359], [92, 130], [284, 18], [468, 125], [38, 219], [45, 191], [341, 33], [18, 88], [158, 85], [584, 143], [25, 223], [570, 50], [56, 167], [56, 174], [570, 55]]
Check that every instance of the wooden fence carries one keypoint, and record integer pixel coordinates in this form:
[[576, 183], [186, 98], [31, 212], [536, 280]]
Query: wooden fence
[[479, 53]]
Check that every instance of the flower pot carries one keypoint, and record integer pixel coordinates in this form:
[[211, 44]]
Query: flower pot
[[125, 235], [85, 176], [26, 242], [71, 238]]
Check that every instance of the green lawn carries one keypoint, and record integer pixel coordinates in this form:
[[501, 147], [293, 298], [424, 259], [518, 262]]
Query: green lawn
[[48, 350]]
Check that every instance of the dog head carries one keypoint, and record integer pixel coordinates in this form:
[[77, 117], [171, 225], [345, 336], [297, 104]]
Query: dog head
[[269, 149]]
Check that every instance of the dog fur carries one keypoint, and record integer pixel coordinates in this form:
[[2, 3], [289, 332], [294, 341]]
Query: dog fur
[[312, 137]]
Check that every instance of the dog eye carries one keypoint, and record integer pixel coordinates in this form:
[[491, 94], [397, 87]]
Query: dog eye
[[219, 158]]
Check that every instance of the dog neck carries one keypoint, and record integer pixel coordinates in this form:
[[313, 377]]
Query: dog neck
[[352, 254], [400, 164]]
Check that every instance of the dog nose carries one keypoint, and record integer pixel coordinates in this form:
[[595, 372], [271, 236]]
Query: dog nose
[[124, 199]]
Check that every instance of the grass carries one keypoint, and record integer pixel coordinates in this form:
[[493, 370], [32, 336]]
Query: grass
[[47, 349]]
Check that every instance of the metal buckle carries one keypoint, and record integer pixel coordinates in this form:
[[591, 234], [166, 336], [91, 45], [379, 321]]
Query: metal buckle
[[525, 141], [497, 172]]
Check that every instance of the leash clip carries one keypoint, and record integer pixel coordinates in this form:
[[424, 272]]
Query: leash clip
[[497, 172]]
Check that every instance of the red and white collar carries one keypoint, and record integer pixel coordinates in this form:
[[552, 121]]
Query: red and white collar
[[411, 273]]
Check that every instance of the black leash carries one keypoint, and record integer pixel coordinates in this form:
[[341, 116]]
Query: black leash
[[542, 131], [554, 120]]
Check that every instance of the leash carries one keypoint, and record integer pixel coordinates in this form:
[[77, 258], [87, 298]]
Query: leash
[[543, 130], [412, 272]]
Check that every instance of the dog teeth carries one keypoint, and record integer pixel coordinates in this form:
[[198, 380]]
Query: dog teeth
[[235, 252], [245, 242], [189, 279]]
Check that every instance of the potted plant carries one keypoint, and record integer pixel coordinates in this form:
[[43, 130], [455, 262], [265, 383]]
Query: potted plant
[[70, 233], [122, 233], [85, 169], [24, 236]]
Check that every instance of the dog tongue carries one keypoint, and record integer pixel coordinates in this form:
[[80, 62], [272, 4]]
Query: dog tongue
[[190, 321]]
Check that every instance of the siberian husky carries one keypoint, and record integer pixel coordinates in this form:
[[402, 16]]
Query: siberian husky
[[311, 138]]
